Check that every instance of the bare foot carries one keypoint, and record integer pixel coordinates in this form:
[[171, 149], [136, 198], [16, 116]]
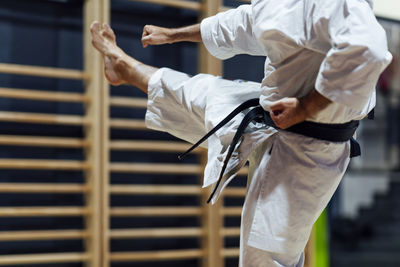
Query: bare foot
[[103, 39], [119, 68]]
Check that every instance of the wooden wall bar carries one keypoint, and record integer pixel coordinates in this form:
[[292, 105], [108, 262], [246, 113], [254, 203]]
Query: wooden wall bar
[[94, 10], [85, 166], [90, 189]]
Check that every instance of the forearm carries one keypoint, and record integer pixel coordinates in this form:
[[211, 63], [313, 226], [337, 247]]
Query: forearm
[[154, 35], [188, 34], [313, 102]]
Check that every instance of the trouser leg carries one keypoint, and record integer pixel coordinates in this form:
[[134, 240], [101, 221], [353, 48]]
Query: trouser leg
[[251, 256], [188, 106]]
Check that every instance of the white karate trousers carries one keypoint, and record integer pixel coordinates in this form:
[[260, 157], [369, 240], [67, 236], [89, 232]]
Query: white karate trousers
[[291, 177]]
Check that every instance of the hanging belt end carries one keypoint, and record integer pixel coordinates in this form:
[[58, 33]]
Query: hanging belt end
[[355, 149], [184, 154]]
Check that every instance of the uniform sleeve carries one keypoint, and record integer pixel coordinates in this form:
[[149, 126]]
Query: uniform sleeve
[[357, 54], [230, 33]]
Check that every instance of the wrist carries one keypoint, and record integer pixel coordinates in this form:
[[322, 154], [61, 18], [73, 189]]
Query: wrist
[[173, 35], [188, 33], [304, 109], [313, 103]]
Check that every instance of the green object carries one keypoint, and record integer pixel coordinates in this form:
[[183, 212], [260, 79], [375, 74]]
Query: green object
[[321, 241]]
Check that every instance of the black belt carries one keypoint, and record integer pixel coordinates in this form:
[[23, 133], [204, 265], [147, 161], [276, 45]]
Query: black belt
[[328, 132]]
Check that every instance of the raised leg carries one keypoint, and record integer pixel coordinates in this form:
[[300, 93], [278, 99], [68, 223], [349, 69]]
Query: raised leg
[[119, 68]]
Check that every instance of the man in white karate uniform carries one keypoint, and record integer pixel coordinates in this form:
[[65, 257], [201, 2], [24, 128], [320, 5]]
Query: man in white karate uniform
[[323, 60]]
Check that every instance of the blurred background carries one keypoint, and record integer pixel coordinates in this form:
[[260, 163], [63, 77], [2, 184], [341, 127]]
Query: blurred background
[[84, 183]]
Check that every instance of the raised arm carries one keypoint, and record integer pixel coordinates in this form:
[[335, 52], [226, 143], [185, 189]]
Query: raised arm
[[226, 34], [154, 35]]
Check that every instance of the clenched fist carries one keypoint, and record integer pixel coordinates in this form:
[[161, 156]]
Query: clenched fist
[[287, 112], [154, 35], [290, 110]]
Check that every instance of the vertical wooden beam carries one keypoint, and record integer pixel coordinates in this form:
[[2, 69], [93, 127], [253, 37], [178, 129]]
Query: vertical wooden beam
[[93, 10], [212, 220], [105, 160], [208, 63]]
